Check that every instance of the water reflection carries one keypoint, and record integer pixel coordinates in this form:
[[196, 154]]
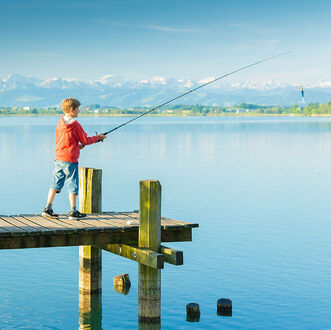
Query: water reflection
[[90, 311], [149, 301], [149, 326], [122, 289]]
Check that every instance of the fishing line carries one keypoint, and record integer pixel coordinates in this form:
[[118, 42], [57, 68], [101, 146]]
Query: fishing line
[[196, 88]]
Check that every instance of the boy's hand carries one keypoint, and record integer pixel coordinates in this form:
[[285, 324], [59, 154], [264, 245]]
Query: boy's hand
[[81, 146], [102, 137]]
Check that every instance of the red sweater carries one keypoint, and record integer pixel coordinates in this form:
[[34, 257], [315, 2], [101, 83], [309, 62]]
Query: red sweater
[[67, 138]]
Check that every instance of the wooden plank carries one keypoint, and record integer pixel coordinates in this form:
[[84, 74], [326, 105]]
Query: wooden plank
[[141, 255], [180, 223], [74, 224], [122, 225], [122, 215], [171, 256], [114, 218], [127, 218], [54, 224], [75, 239], [130, 221], [182, 235], [110, 222], [32, 224], [94, 223], [23, 228], [134, 215], [6, 229], [9, 227]]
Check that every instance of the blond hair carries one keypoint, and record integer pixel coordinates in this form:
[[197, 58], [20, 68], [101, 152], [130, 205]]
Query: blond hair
[[69, 104]]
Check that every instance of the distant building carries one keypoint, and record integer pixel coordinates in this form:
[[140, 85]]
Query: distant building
[[28, 108]]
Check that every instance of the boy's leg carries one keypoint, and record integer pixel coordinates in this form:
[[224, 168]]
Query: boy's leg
[[72, 182], [74, 214], [48, 210], [56, 186], [73, 201], [50, 199]]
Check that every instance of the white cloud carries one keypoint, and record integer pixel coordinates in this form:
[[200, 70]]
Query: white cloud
[[169, 29], [28, 98], [106, 78], [105, 21]]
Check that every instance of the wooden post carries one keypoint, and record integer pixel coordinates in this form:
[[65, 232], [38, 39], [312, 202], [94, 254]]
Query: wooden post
[[90, 261], [192, 312], [149, 286], [90, 190], [224, 307]]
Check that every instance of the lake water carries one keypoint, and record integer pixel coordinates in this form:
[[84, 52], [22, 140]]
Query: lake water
[[260, 188]]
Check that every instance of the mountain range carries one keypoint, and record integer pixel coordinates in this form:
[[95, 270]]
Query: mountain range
[[110, 90]]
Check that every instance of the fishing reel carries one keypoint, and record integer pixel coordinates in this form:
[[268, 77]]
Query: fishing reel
[[96, 133]]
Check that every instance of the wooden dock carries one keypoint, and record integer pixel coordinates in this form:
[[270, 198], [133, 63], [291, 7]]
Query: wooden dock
[[136, 235], [34, 231]]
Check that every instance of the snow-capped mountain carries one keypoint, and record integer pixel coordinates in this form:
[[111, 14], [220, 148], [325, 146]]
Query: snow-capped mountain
[[17, 90]]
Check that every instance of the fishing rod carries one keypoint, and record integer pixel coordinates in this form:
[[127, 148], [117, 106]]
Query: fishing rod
[[196, 88]]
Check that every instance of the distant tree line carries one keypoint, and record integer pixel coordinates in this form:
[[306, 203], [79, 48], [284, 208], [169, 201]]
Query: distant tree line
[[184, 110]]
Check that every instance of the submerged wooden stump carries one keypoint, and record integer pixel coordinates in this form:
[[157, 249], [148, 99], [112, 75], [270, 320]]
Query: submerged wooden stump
[[192, 312], [122, 280], [224, 307], [122, 283]]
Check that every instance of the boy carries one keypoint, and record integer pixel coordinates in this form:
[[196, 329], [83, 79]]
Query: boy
[[68, 134]]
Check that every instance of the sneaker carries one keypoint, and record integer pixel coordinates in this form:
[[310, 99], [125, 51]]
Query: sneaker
[[49, 214], [75, 215]]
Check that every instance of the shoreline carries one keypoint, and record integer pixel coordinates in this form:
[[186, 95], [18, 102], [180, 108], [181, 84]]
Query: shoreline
[[170, 115]]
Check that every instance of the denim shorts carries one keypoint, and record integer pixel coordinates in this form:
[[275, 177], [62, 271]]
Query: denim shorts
[[65, 171]]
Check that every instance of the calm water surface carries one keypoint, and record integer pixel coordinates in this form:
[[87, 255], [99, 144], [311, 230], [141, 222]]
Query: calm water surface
[[260, 188]]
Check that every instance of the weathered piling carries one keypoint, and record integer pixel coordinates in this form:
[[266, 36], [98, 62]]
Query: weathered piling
[[149, 282], [193, 312], [90, 257], [90, 261], [224, 307], [90, 190]]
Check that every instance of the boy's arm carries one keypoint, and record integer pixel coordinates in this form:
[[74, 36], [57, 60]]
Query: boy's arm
[[82, 137]]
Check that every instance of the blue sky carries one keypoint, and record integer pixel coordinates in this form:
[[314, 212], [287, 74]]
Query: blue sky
[[140, 39]]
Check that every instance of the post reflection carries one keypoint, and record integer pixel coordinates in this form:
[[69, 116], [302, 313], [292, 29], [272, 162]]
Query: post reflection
[[149, 326], [90, 311]]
